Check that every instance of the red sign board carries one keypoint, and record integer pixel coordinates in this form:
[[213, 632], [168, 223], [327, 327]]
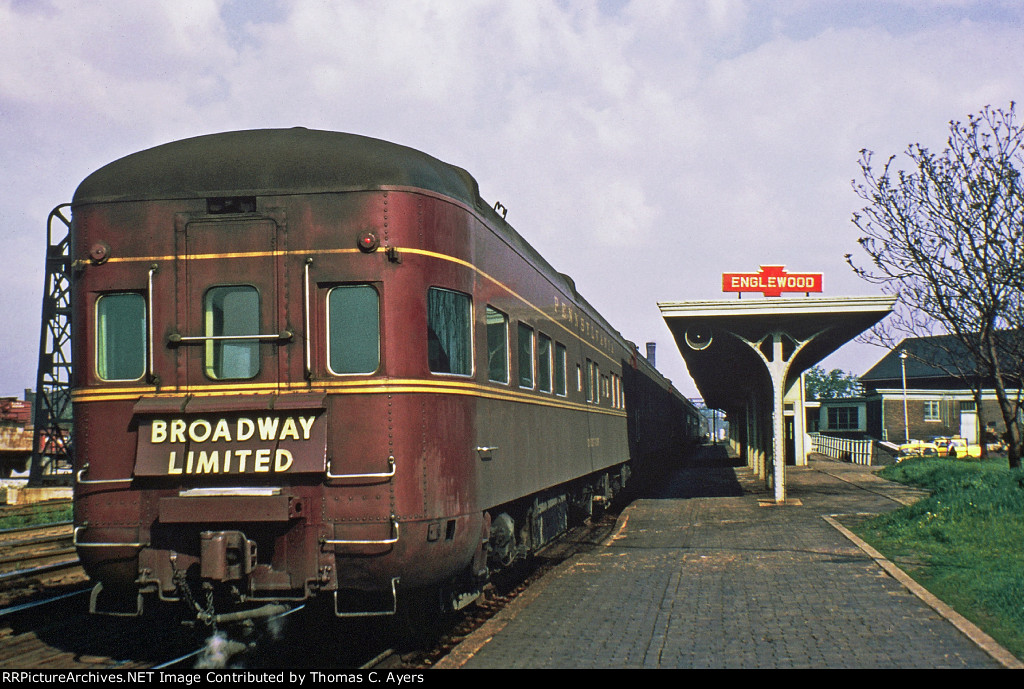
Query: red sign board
[[772, 281], [269, 443]]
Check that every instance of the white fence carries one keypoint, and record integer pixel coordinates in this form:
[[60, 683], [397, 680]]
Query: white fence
[[856, 451]]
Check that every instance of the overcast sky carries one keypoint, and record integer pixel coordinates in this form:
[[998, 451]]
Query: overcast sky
[[644, 148]]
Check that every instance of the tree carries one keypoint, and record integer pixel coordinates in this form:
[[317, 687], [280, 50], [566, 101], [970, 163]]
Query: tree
[[945, 237], [822, 385]]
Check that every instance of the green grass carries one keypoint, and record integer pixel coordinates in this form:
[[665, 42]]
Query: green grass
[[42, 513], [964, 543]]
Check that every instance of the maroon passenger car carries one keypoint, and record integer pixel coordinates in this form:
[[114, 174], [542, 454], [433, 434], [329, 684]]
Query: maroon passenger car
[[313, 364]]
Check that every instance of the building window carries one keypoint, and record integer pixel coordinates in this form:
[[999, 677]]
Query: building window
[[843, 418], [232, 312], [449, 332], [497, 346], [543, 363], [353, 329], [525, 356], [931, 410], [121, 336]]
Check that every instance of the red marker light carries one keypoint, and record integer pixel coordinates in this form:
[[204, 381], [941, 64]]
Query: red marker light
[[368, 242], [99, 253]]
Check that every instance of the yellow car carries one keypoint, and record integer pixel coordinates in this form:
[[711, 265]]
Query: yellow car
[[917, 448], [959, 447]]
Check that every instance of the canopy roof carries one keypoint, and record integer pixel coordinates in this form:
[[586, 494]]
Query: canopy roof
[[725, 368]]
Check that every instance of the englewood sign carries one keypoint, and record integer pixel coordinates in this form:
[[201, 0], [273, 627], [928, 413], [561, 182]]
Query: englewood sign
[[772, 281]]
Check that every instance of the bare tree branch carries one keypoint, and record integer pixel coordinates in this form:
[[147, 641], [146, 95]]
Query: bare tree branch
[[945, 237]]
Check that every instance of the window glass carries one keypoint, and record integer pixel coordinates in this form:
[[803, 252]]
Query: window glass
[[121, 336], [931, 410], [353, 329], [843, 418], [560, 369], [449, 332], [232, 311], [543, 363], [497, 346], [525, 356]]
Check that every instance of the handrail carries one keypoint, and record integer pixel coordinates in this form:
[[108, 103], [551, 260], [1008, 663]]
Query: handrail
[[149, 322], [388, 474], [79, 544], [307, 315], [86, 482], [386, 541], [176, 339]]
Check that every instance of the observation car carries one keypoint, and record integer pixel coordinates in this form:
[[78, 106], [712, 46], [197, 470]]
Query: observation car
[[311, 364]]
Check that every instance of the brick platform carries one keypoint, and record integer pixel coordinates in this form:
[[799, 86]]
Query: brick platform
[[709, 573]]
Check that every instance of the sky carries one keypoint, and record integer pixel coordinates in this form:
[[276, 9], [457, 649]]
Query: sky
[[644, 148]]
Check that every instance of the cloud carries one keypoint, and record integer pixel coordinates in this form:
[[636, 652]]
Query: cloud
[[647, 144]]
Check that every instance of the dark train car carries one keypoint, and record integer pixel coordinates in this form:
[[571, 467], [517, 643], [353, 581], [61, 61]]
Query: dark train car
[[317, 365]]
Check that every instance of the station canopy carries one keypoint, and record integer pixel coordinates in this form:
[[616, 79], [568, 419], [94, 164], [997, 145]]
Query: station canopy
[[715, 338]]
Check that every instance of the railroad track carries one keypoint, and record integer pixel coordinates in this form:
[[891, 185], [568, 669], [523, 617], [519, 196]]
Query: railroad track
[[40, 511], [70, 638], [57, 631], [34, 555]]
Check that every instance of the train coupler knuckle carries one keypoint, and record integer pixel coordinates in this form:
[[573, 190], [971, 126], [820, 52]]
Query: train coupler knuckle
[[226, 555]]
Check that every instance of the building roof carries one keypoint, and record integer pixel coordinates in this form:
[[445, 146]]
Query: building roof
[[936, 356], [927, 357]]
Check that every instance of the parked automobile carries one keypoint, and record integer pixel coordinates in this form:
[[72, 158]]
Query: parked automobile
[[917, 448], [959, 447]]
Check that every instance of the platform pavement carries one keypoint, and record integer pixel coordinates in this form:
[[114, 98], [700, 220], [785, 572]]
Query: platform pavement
[[710, 573]]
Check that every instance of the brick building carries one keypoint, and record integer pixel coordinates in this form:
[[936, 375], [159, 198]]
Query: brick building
[[938, 395]]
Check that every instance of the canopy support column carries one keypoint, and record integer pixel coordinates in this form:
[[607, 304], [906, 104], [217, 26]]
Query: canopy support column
[[778, 368]]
